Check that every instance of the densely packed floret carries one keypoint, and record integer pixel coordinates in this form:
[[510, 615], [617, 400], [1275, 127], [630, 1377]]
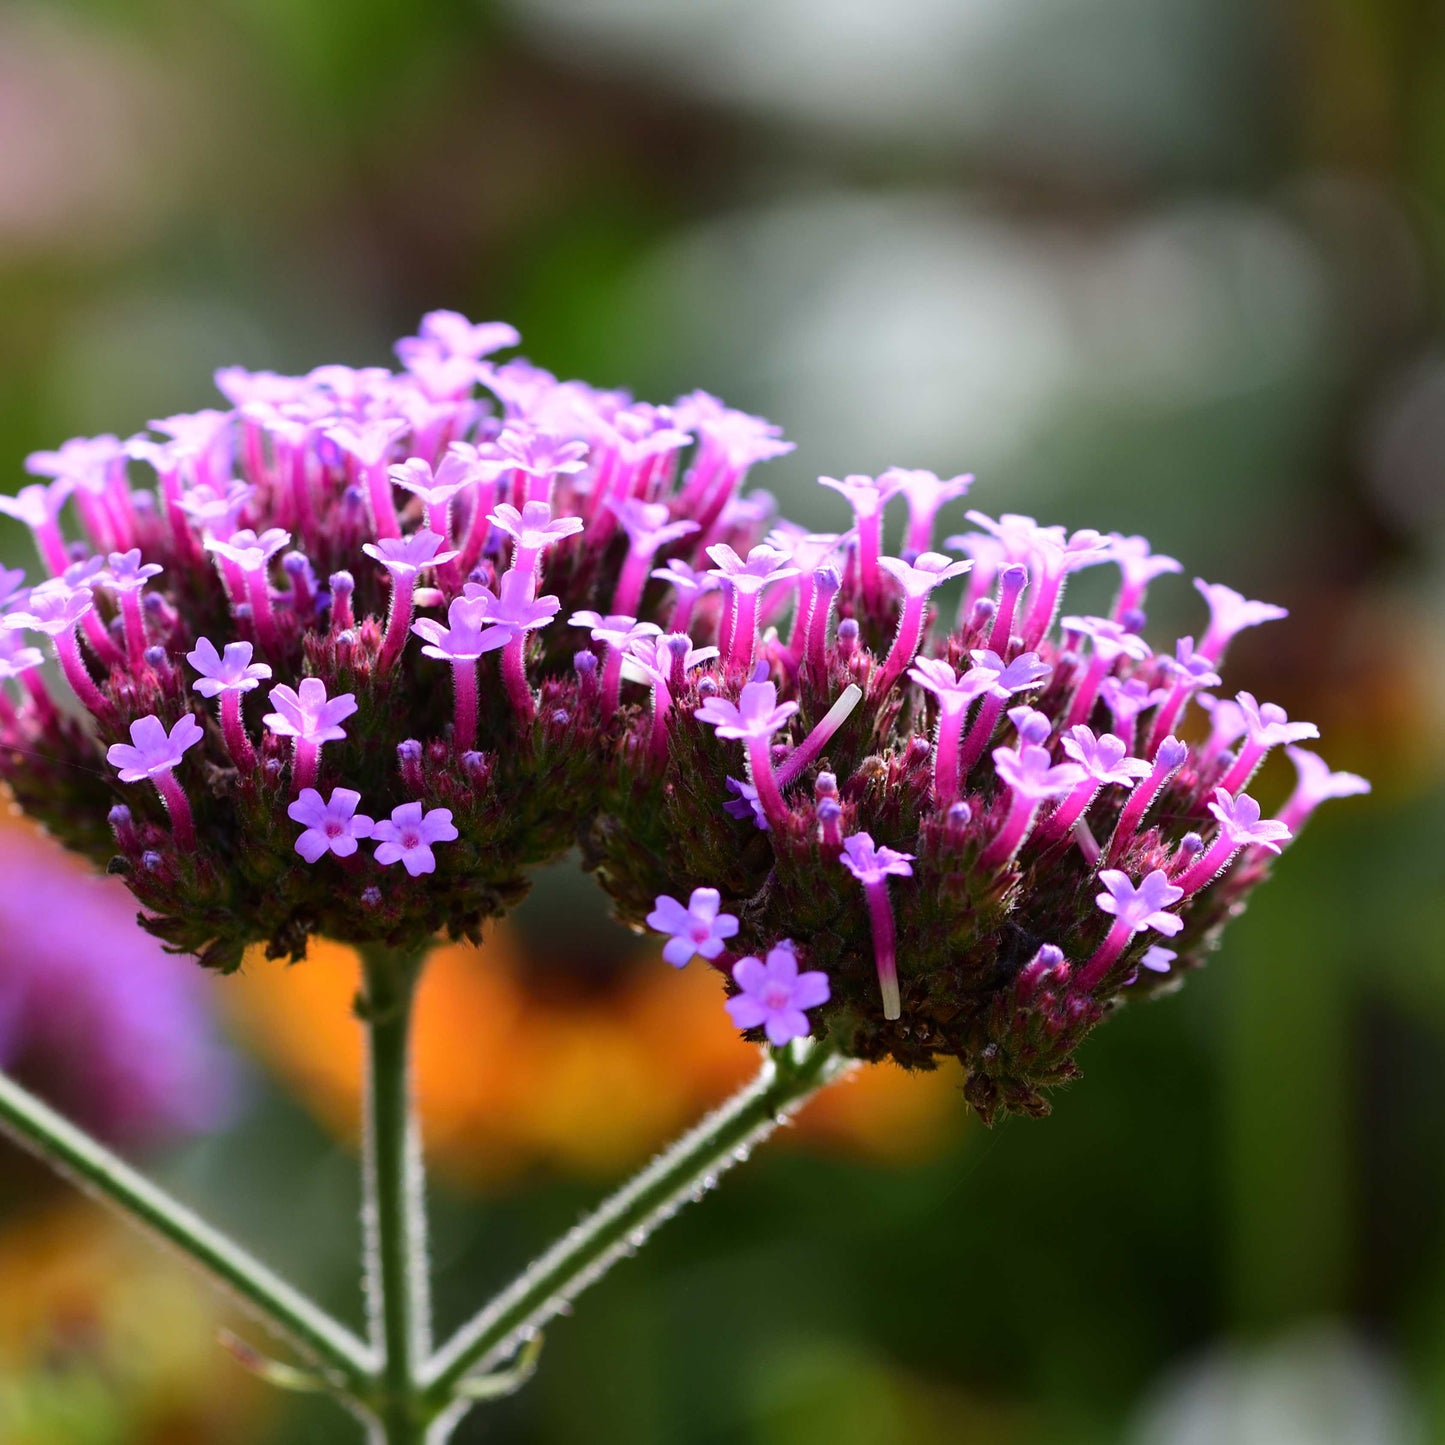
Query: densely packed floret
[[465, 617]]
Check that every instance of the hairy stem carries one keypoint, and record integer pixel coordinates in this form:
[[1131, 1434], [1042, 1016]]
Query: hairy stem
[[398, 1297], [345, 1360], [787, 1079]]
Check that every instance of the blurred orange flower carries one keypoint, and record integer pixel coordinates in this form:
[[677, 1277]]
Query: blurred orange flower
[[102, 1341], [585, 1083]]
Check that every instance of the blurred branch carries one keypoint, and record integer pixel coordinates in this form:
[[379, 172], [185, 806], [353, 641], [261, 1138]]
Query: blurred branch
[[345, 1360]]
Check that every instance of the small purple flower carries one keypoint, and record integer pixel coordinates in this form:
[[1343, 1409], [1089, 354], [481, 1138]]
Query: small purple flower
[[870, 864], [1316, 784], [775, 995], [757, 713], [1189, 669], [407, 556], [513, 606], [307, 714], [1112, 640], [16, 659], [647, 526], [436, 488], [1157, 958], [466, 635], [52, 608], [37, 505], [247, 550], [696, 929], [1268, 724], [369, 442], [1031, 773], [1240, 822], [406, 837], [1000, 679], [230, 671], [1138, 567], [744, 803], [125, 572], [457, 336], [330, 827], [1230, 612], [1104, 758], [739, 438], [688, 580], [866, 495], [1031, 725], [534, 528], [215, 510], [1137, 908], [10, 580], [924, 573], [764, 565], [953, 690], [151, 750], [1126, 698], [540, 454], [925, 492], [614, 630]]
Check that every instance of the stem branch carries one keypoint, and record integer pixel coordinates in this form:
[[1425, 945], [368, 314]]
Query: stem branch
[[314, 1334], [787, 1079]]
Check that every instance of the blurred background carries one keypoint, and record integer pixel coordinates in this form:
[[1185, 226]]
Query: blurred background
[[1165, 266]]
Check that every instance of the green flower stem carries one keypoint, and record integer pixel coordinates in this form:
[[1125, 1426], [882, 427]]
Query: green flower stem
[[394, 1220], [789, 1077], [346, 1362]]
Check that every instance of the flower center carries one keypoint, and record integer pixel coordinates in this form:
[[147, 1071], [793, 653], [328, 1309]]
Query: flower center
[[334, 829], [410, 840], [777, 996]]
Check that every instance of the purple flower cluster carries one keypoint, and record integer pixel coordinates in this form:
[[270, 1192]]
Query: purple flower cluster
[[473, 615]]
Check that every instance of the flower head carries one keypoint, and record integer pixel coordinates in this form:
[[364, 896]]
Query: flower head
[[774, 996], [971, 739], [698, 929], [407, 837]]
